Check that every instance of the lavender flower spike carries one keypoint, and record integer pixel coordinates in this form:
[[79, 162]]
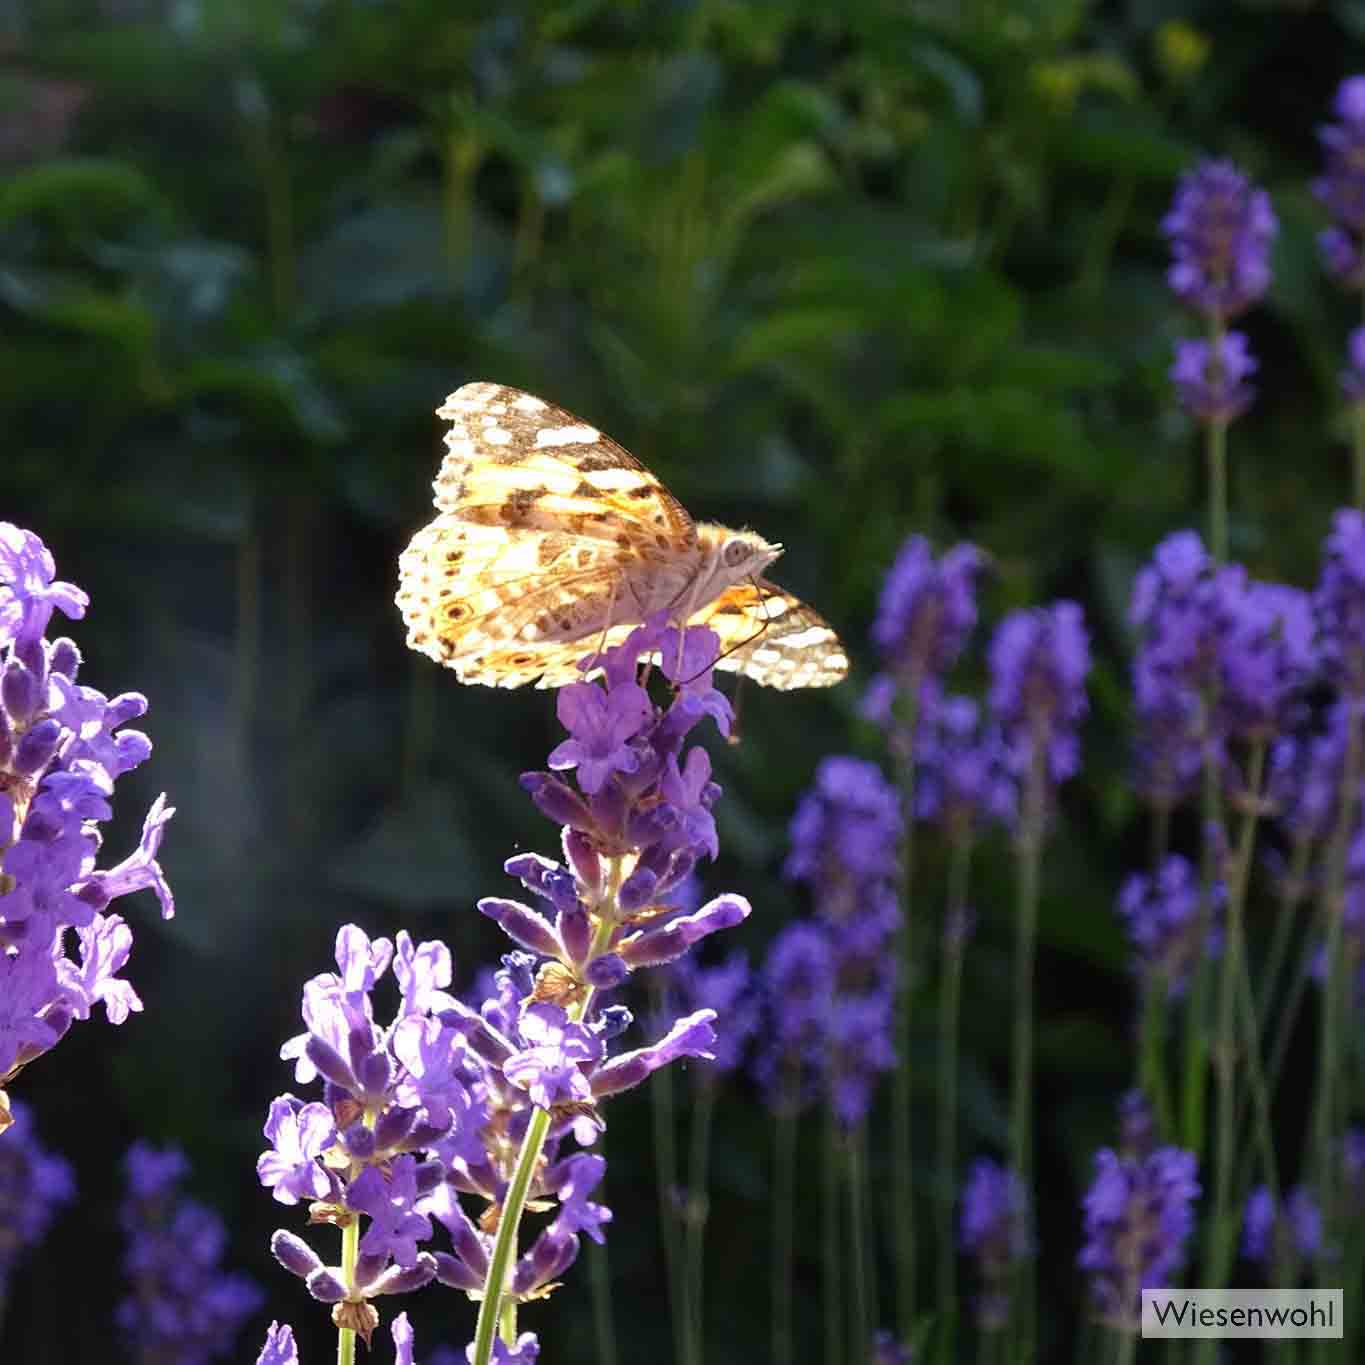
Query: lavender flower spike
[[63, 746], [1138, 1216], [1220, 228]]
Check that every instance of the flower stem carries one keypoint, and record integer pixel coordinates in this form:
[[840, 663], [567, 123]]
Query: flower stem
[[863, 1314], [950, 998], [666, 1178], [1216, 451], [833, 1260], [784, 1206], [903, 1188], [1029, 855], [505, 1244], [492, 1307], [350, 1252], [698, 1196], [1226, 1046], [1328, 1126], [599, 1276]]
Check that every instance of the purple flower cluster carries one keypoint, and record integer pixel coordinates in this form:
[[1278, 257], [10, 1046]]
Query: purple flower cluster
[[1342, 184], [1039, 659], [1292, 1234], [994, 1231], [1162, 916], [725, 989], [1211, 634], [1339, 602], [831, 983], [886, 1350], [34, 1185], [435, 1106], [1220, 228], [1210, 377], [183, 1305], [1353, 376], [926, 612], [63, 745], [962, 773], [1139, 1212]]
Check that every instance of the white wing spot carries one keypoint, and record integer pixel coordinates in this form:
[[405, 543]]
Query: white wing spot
[[528, 403], [772, 608], [812, 635], [836, 661], [767, 656], [496, 436], [566, 436]]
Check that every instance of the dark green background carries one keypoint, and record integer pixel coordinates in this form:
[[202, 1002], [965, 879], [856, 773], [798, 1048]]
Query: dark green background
[[839, 272]]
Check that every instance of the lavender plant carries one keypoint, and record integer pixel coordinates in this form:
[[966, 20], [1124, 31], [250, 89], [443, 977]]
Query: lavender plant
[[63, 746], [453, 1100], [35, 1184], [182, 1304]]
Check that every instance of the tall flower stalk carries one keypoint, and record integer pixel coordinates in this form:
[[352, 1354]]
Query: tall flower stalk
[[925, 614], [1039, 660], [63, 746]]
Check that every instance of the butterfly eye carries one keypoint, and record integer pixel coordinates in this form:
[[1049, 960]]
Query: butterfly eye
[[735, 552]]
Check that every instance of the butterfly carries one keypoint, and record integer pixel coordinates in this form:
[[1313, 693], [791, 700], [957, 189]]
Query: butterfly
[[552, 542]]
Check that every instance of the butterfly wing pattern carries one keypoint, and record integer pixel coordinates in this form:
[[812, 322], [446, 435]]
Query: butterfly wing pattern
[[550, 538]]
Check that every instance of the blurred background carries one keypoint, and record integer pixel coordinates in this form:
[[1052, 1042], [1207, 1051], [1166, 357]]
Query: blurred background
[[838, 272]]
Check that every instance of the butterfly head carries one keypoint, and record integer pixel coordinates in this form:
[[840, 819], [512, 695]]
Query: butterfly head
[[736, 555]]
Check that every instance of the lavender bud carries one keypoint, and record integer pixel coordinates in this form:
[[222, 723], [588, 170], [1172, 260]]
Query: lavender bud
[[37, 747]]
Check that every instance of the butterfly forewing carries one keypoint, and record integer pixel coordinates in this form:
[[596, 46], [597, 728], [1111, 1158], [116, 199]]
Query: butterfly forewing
[[552, 540]]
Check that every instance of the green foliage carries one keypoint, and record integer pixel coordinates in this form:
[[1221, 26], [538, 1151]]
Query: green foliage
[[842, 272]]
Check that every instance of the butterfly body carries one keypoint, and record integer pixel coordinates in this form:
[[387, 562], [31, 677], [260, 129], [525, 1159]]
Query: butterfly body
[[549, 534]]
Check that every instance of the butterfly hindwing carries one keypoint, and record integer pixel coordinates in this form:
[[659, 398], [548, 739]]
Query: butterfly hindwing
[[772, 637]]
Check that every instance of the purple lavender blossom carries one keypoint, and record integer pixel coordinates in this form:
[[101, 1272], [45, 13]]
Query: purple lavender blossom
[[1207, 631], [1353, 376], [1353, 1170], [926, 612], [1137, 1128], [994, 1230], [430, 1112], [1162, 916], [62, 748], [34, 1186], [1210, 377], [1039, 659], [1138, 1217], [798, 988], [726, 989], [1292, 1234], [183, 1304], [1220, 228], [846, 831], [962, 776], [1339, 601], [1342, 185], [281, 1349]]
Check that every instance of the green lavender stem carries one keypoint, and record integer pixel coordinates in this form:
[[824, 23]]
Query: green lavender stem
[[1029, 855], [903, 1187], [666, 1180], [698, 1204], [833, 1258], [350, 1252], [950, 1013], [862, 1315], [496, 1311], [1290, 898], [1328, 1120], [599, 1279], [784, 1206], [1227, 1041]]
